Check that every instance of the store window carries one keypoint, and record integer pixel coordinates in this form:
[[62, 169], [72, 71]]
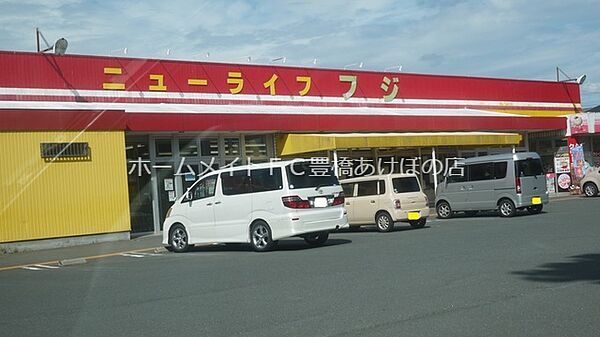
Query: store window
[[256, 148], [209, 147], [163, 148], [232, 146], [232, 162], [188, 147], [595, 151]]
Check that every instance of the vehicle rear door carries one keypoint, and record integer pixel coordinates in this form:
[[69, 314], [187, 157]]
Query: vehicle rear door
[[349, 189], [532, 177], [408, 191], [316, 184]]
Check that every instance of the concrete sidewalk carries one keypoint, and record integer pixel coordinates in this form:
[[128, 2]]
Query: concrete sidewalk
[[91, 251], [565, 195]]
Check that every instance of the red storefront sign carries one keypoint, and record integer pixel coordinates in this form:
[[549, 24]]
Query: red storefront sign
[[181, 95]]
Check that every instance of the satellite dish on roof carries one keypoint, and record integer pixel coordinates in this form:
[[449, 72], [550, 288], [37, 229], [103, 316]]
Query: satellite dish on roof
[[60, 47], [581, 79]]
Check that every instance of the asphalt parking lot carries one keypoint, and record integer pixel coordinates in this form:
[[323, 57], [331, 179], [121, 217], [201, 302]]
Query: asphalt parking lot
[[532, 275]]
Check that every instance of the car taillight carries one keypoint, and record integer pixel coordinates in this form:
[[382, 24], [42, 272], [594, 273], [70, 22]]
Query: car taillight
[[295, 202], [426, 199], [339, 200], [397, 203], [518, 184]]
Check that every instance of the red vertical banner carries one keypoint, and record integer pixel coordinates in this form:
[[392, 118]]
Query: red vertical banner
[[571, 142]]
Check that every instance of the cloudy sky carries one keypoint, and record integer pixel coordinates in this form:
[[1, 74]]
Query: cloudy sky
[[496, 38]]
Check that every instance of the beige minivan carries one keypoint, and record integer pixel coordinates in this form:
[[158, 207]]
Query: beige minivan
[[385, 199]]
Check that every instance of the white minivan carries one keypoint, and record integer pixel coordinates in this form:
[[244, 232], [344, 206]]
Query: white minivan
[[257, 204]]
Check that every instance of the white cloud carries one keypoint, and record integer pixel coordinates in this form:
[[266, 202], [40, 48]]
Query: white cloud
[[491, 38]]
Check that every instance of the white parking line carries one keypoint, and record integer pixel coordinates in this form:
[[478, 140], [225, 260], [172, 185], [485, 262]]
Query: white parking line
[[131, 255], [150, 254], [46, 266]]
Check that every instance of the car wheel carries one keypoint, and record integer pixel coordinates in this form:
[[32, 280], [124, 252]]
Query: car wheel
[[178, 239], [535, 209], [443, 210], [471, 213], [418, 223], [260, 237], [316, 239], [384, 222], [590, 189], [507, 208]]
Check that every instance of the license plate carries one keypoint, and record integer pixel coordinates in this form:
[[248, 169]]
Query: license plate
[[536, 200], [320, 202], [414, 215]]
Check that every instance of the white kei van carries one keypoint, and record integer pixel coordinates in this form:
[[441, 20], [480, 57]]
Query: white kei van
[[385, 199], [257, 204]]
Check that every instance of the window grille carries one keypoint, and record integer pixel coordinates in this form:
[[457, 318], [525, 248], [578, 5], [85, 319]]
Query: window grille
[[64, 150]]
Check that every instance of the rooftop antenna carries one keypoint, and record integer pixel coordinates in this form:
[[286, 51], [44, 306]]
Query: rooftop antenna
[[38, 34], [579, 80], [59, 47]]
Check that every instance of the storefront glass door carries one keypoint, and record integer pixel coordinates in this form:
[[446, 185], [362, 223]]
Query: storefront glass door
[[165, 174], [139, 185]]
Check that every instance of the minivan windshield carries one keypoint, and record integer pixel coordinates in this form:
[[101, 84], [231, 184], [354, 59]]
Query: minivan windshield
[[406, 184], [305, 174], [529, 167]]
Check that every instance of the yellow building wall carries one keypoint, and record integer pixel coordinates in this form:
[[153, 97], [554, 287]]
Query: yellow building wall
[[40, 199]]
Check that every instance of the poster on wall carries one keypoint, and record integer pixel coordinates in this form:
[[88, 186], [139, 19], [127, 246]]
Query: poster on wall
[[579, 165], [563, 182], [561, 164], [550, 177], [189, 177], [562, 170], [169, 186]]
